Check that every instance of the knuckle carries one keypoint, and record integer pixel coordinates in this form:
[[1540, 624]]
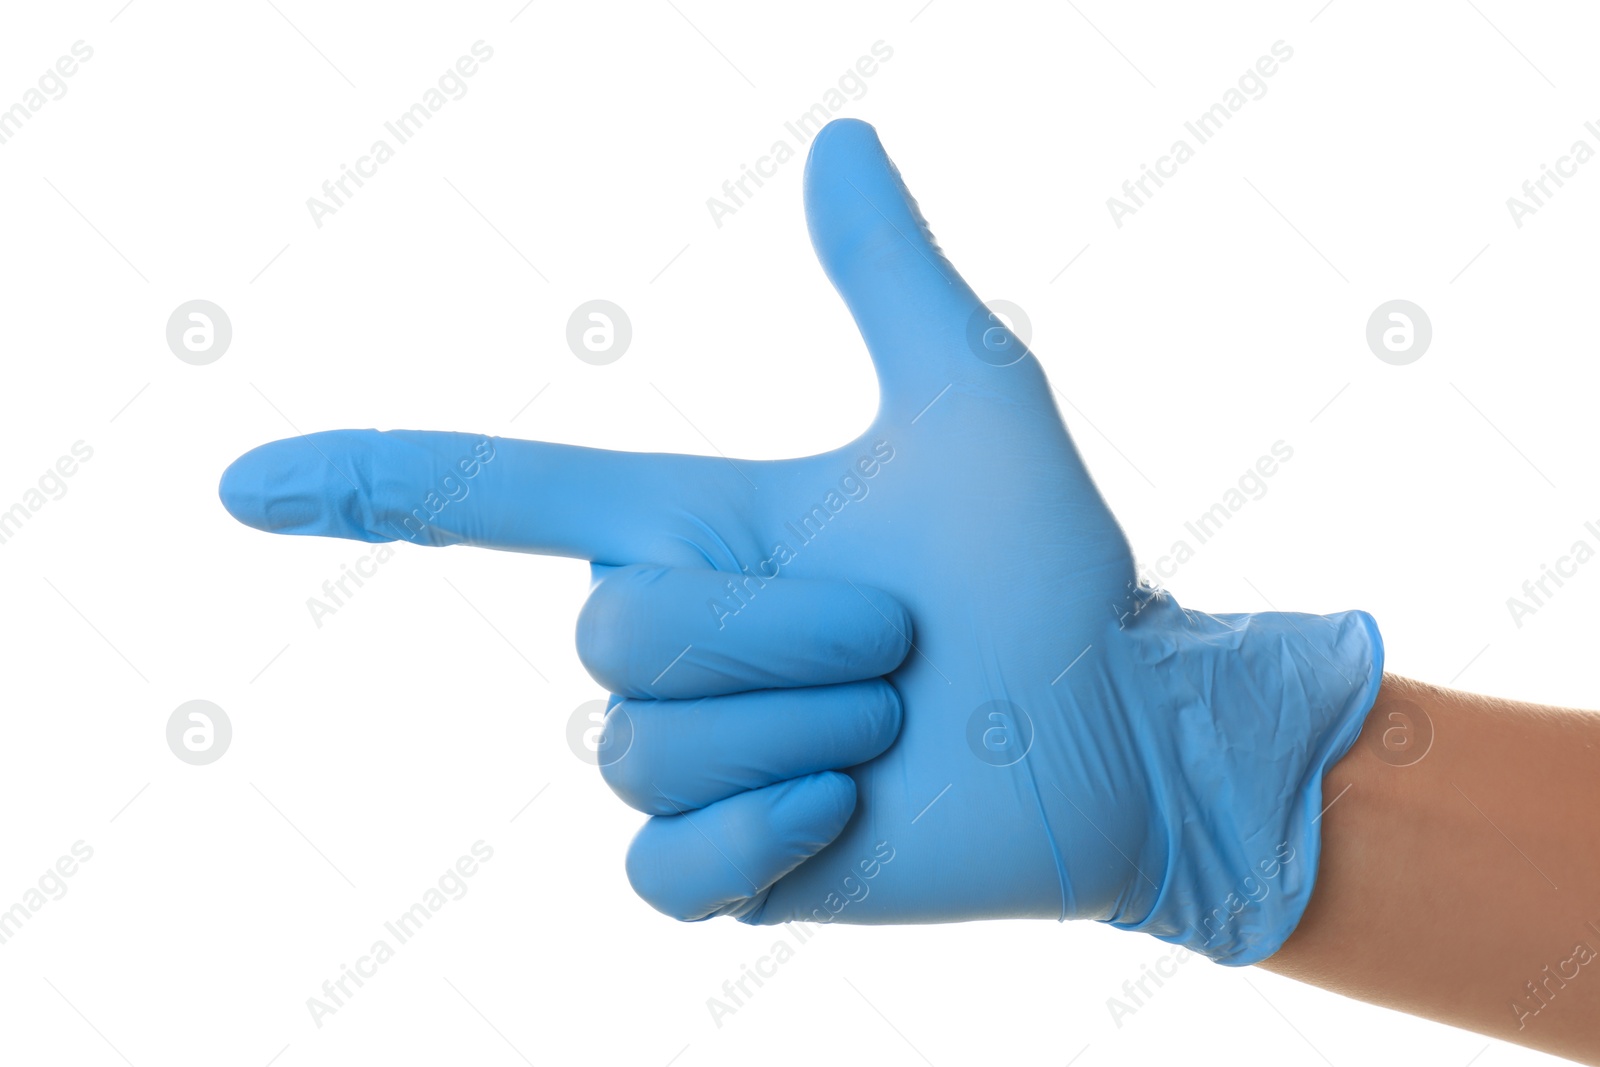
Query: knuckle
[[630, 776], [884, 714], [652, 880], [608, 622]]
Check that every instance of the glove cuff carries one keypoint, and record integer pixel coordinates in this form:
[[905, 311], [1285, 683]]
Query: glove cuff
[[1265, 705]]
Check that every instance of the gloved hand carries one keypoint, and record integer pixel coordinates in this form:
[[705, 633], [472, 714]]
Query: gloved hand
[[1054, 740]]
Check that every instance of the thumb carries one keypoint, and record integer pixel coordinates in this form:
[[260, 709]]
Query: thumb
[[920, 320]]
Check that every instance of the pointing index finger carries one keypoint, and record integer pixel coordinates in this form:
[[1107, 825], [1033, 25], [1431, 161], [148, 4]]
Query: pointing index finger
[[441, 488]]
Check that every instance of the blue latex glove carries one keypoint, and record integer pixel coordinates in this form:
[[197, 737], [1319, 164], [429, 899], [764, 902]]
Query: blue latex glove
[[1053, 740]]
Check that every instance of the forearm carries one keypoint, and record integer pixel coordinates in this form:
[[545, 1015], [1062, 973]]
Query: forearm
[[1461, 882]]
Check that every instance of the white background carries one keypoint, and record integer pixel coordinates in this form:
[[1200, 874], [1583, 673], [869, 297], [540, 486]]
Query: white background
[[369, 753]]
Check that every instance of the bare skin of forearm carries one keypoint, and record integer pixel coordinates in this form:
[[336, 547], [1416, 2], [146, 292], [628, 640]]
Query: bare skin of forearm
[[1460, 876]]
